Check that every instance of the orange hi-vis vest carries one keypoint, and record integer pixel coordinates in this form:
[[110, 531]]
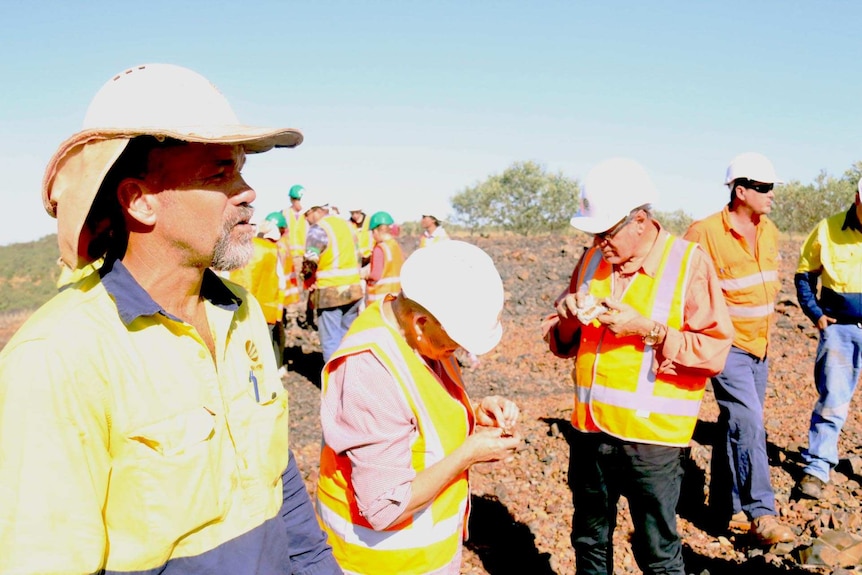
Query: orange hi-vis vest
[[432, 537], [297, 228], [260, 277], [616, 389], [287, 274], [338, 265], [390, 280], [749, 281]]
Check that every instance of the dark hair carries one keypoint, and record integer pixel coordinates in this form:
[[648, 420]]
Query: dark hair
[[105, 221]]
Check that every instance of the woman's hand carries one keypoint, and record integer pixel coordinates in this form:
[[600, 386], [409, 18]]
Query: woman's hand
[[491, 444], [496, 411]]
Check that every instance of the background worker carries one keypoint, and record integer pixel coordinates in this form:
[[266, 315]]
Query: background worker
[[361, 223], [640, 367], [832, 253], [147, 388], [384, 270], [288, 281], [743, 244], [261, 277], [432, 231], [400, 432], [297, 229], [331, 264]]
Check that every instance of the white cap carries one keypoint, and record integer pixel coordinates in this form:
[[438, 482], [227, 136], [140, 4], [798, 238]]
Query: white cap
[[458, 283], [611, 190], [751, 166]]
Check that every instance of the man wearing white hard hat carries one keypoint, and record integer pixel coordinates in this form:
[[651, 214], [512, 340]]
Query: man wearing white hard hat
[[143, 423], [831, 254], [743, 244], [400, 433], [644, 319]]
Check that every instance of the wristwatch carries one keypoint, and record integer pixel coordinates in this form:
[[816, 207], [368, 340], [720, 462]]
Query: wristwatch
[[652, 337]]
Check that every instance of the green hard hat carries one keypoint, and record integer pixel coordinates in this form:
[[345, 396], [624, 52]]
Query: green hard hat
[[379, 219], [278, 219], [296, 192]]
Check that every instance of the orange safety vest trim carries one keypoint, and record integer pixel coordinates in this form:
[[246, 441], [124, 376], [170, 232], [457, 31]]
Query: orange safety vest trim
[[260, 277], [749, 281], [287, 274], [616, 389], [297, 228], [338, 265], [431, 538], [390, 280]]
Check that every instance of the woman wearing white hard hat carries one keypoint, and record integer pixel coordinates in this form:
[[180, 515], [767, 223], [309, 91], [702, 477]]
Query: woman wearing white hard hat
[[400, 433]]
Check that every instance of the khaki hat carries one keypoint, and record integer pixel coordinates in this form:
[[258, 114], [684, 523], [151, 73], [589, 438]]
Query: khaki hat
[[160, 100]]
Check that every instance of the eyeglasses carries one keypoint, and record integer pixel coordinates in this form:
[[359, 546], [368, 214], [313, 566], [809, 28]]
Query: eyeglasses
[[609, 234], [759, 188]]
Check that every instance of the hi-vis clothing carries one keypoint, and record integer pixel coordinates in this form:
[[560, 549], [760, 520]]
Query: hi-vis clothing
[[441, 419], [633, 391], [332, 241], [288, 280], [390, 277], [833, 253], [297, 227], [260, 276], [438, 235], [364, 240], [128, 448], [748, 275]]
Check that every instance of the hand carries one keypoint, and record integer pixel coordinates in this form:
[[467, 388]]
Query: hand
[[496, 411], [623, 320], [490, 444], [824, 321]]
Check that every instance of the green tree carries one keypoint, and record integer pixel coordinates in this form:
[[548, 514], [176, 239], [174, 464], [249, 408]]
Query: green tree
[[524, 199], [676, 222], [798, 207]]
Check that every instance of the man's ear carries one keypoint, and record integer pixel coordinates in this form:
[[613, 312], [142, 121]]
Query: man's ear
[[137, 201]]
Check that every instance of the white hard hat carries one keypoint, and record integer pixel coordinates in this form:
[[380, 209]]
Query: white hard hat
[[458, 283], [160, 100], [751, 166], [611, 190]]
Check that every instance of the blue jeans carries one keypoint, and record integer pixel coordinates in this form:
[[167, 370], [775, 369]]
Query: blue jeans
[[836, 374], [740, 467], [601, 468], [332, 324]]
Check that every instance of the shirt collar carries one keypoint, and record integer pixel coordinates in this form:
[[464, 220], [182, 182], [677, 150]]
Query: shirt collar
[[133, 301], [851, 221]]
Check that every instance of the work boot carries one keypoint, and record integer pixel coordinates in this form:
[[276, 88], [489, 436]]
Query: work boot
[[810, 487], [768, 531]]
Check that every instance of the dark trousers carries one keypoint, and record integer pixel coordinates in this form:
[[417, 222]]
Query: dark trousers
[[601, 468]]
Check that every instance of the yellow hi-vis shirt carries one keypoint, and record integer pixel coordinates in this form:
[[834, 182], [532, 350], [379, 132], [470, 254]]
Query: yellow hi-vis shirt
[[749, 280], [125, 446], [431, 539], [616, 389], [261, 277]]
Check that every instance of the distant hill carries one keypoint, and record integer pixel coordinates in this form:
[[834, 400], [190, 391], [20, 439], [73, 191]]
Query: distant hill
[[28, 274]]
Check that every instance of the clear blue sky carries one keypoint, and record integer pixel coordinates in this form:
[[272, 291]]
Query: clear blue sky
[[404, 104]]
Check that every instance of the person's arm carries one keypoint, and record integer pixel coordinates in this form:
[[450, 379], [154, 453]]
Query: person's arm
[[562, 330], [54, 463], [808, 271], [377, 261], [309, 552]]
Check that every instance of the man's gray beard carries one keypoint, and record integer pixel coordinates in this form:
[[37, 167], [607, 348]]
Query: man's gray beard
[[232, 254]]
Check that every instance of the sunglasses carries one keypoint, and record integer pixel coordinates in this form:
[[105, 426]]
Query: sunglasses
[[609, 235], [759, 188]]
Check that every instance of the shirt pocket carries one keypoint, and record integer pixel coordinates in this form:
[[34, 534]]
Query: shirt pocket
[[169, 482], [268, 425]]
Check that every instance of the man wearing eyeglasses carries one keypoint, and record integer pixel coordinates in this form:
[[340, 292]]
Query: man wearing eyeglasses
[[640, 367], [743, 244]]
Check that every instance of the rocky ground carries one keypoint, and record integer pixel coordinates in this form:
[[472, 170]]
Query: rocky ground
[[522, 510]]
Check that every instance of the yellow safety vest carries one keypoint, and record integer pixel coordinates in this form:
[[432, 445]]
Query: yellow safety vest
[[390, 280], [289, 282], [338, 265], [297, 228], [260, 277], [363, 237], [432, 537], [616, 389], [749, 281]]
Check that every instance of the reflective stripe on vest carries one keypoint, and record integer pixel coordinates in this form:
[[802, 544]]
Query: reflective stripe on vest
[[431, 538], [338, 265], [390, 280], [616, 388]]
